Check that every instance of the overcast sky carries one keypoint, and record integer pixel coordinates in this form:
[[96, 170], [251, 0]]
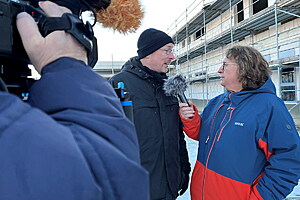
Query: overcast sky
[[159, 14]]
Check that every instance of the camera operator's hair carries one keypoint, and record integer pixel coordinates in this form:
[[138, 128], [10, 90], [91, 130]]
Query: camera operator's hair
[[253, 68]]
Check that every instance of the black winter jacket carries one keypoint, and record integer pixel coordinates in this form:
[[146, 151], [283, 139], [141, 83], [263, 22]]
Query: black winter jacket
[[162, 146]]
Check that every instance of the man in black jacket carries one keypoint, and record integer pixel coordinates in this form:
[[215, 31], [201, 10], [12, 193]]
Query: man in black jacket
[[159, 129]]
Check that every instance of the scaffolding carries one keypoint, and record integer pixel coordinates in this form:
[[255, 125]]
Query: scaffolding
[[206, 29]]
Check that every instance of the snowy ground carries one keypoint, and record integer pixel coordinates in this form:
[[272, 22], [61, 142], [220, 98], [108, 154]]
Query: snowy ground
[[192, 146], [295, 194]]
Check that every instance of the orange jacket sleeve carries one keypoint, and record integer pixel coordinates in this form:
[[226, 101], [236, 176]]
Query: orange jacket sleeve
[[191, 127]]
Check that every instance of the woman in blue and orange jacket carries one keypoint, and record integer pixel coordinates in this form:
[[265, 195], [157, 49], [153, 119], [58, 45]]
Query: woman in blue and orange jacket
[[249, 148]]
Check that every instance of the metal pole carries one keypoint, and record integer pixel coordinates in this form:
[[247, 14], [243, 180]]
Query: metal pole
[[231, 32], [277, 51], [276, 26], [288, 13], [205, 56], [177, 69], [187, 45], [112, 64]]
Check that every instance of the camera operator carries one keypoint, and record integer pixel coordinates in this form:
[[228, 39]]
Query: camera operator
[[73, 142]]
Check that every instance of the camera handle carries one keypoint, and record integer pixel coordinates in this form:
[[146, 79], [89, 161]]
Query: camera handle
[[73, 25]]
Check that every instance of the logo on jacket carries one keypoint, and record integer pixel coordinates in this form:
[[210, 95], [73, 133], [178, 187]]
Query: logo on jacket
[[238, 123]]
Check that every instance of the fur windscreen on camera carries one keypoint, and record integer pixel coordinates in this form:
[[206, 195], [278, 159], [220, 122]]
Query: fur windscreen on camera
[[124, 16]]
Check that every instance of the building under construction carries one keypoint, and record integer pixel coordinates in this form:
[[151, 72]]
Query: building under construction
[[207, 29]]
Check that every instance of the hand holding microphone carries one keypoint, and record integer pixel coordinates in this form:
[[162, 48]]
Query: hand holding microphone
[[186, 111]]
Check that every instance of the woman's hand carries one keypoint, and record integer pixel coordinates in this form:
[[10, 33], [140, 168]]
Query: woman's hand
[[186, 111]]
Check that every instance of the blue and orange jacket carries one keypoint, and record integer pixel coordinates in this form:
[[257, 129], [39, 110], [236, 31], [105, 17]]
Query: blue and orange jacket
[[249, 148]]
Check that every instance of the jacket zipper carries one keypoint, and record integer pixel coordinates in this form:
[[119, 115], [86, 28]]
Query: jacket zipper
[[229, 119], [215, 138], [207, 139]]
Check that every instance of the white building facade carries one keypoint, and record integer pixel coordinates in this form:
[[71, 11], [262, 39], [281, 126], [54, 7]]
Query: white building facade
[[206, 30]]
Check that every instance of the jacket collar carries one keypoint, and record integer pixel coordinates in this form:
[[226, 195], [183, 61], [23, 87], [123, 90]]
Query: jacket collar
[[135, 66], [237, 97]]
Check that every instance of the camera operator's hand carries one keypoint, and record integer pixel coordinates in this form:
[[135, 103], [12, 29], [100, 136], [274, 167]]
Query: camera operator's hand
[[44, 50]]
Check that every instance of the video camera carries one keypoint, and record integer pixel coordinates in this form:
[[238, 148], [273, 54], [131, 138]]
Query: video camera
[[14, 61]]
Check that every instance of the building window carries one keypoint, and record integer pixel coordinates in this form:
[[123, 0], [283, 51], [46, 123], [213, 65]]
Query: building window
[[189, 40], [287, 75], [200, 33], [268, 58], [183, 44], [240, 10], [288, 85], [259, 5], [288, 93], [286, 53]]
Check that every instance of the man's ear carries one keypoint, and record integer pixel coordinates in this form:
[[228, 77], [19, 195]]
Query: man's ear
[[145, 59]]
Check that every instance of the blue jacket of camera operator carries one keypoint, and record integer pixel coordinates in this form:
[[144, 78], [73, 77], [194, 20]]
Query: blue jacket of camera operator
[[72, 143]]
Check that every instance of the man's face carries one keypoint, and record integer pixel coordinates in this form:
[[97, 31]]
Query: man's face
[[229, 75], [161, 58]]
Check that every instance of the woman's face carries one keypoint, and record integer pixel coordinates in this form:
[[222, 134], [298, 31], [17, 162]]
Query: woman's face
[[229, 75]]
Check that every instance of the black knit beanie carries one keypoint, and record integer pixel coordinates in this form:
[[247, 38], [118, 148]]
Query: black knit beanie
[[150, 40]]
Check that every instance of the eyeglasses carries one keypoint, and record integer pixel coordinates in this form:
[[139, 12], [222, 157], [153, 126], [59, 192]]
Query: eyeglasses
[[168, 51], [224, 64]]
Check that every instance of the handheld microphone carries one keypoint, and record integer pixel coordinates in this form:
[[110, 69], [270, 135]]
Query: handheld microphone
[[176, 86]]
